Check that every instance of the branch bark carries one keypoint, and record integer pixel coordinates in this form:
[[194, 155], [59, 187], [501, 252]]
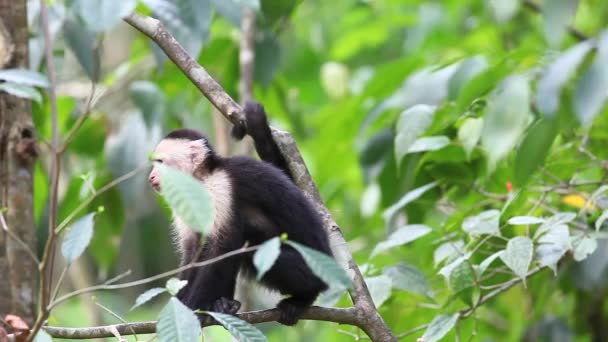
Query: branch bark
[[371, 321]]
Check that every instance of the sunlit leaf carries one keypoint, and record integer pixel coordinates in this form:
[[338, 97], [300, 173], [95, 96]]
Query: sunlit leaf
[[77, 239], [241, 330], [402, 236], [469, 134], [334, 79], [187, 197], [411, 124], [487, 262], [555, 220], [24, 77], [465, 72], [555, 76], [101, 16], [174, 285], [557, 15], [439, 327], [22, 91], [449, 268], [448, 251], [177, 323], [429, 144], [266, 255], [380, 288], [558, 235], [549, 255], [82, 43], [518, 256], [323, 266], [147, 296], [521, 220], [600, 220], [389, 213], [462, 281], [591, 91], [503, 10], [370, 199], [408, 278], [583, 246], [506, 118], [486, 222]]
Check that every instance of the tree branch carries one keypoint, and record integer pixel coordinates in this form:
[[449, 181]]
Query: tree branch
[[371, 322]]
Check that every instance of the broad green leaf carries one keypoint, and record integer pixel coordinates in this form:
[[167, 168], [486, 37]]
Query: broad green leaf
[[506, 118], [147, 296], [534, 149], [77, 239], [465, 72], [411, 124], [449, 268], [82, 42], [583, 246], [408, 278], [149, 98], [241, 330], [591, 91], [101, 16], [448, 251], [266, 255], [389, 213], [402, 236], [177, 323], [469, 134], [553, 221], [380, 288], [549, 255], [503, 10], [554, 77], [487, 262], [174, 285], [486, 222], [600, 220], [323, 266], [335, 79], [188, 198], [43, 336], [22, 91], [370, 199], [481, 84], [522, 220], [557, 15], [439, 327], [518, 256], [429, 144], [24, 77], [462, 282], [558, 235]]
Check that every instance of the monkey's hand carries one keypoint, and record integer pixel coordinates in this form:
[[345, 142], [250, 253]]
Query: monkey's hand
[[222, 305], [255, 122]]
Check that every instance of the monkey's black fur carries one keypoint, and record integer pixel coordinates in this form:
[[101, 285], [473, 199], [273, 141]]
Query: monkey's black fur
[[265, 204]]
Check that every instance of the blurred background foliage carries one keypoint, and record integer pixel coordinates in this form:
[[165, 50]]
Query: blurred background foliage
[[500, 103]]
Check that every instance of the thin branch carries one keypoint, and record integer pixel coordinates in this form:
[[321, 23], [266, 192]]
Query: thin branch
[[59, 282], [117, 316], [81, 119], [578, 35], [15, 237], [412, 331]]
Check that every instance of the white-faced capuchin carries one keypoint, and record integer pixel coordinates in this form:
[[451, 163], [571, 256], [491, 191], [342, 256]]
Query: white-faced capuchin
[[254, 201]]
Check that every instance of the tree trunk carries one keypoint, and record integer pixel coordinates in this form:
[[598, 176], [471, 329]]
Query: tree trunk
[[18, 271]]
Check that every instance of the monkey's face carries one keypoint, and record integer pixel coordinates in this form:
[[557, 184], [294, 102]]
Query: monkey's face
[[182, 154]]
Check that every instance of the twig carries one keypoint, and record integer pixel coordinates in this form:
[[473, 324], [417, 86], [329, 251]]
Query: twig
[[59, 282], [572, 30], [15, 237], [81, 119], [117, 316], [412, 331]]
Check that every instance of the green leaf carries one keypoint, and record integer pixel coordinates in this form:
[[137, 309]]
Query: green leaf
[[22, 91], [583, 246], [557, 235], [150, 99], [241, 330], [486, 222], [555, 220], [101, 16], [429, 144], [447, 251], [466, 71], [147, 296], [557, 15], [487, 262], [524, 220], [449, 268], [518, 256], [266, 255], [43, 336], [600, 220], [439, 327], [323, 266], [534, 149], [77, 239], [24, 77], [177, 323], [506, 118], [174, 285], [503, 10], [402, 236], [188, 198], [554, 77], [389, 213], [462, 282], [379, 288], [469, 134], [82, 42], [408, 278], [411, 124], [370, 199], [549, 255], [591, 91]]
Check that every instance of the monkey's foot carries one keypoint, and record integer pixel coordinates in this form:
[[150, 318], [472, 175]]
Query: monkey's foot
[[227, 306], [290, 312]]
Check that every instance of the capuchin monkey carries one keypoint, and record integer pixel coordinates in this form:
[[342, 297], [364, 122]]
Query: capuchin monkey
[[254, 201]]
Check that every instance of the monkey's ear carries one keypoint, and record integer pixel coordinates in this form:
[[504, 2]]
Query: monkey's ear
[[198, 150]]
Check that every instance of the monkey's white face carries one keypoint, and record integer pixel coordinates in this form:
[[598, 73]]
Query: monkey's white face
[[182, 154]]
